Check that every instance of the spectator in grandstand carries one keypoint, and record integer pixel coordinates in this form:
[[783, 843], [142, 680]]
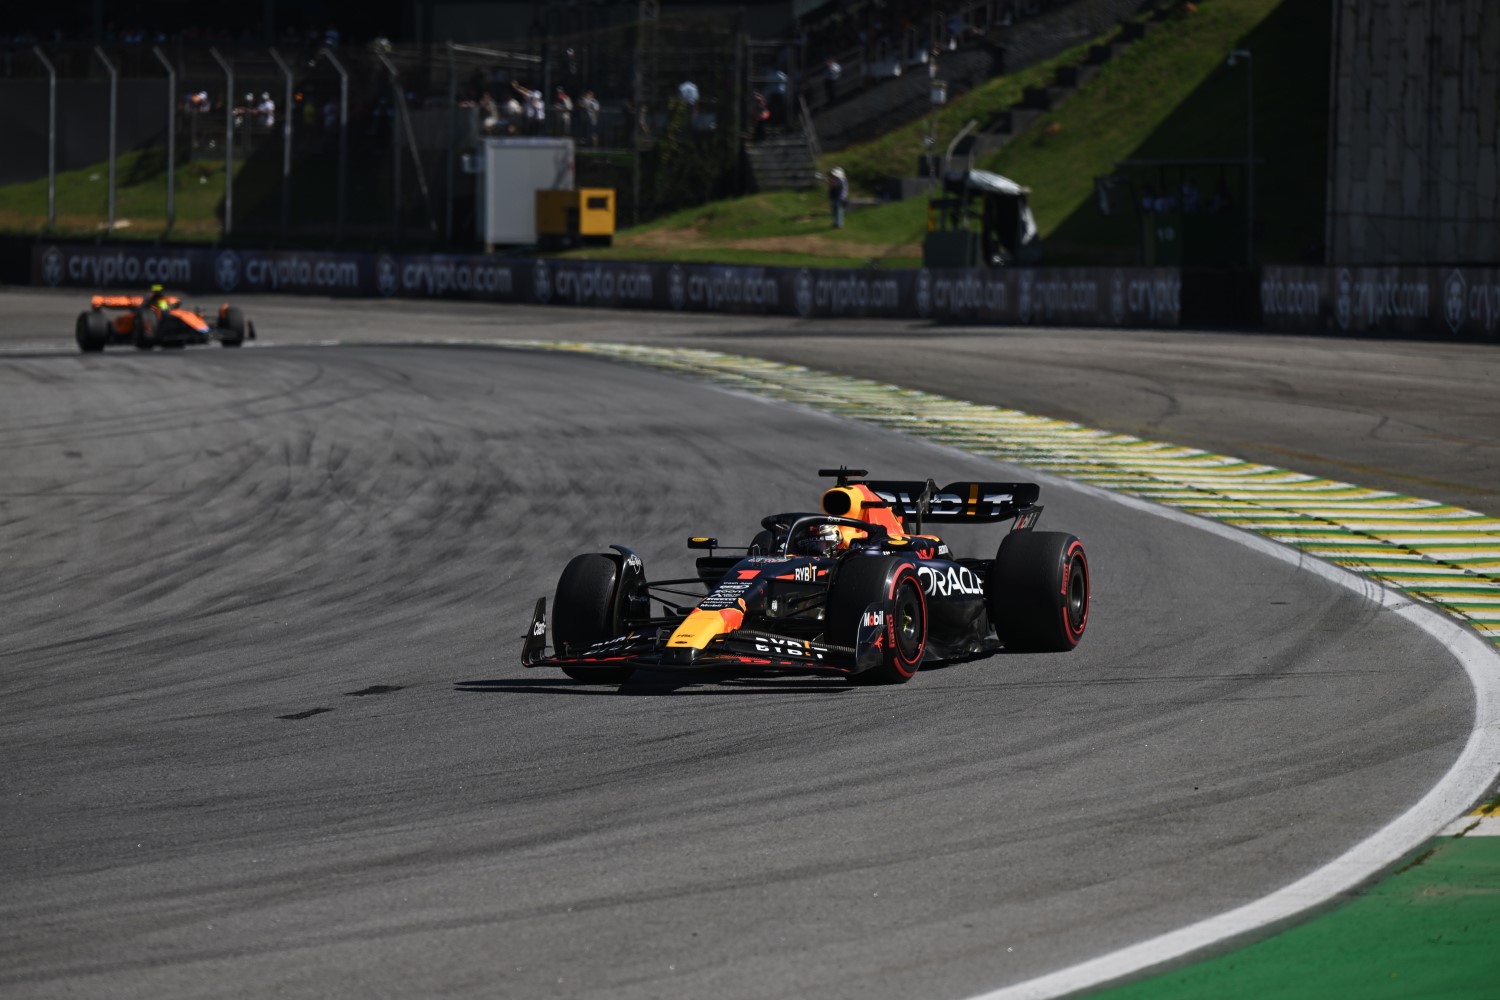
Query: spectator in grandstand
[[838, 195], [777, 98], [831, 73], [1190, 196], [536, 108], [489, 113], [563, 105], [688, 91], [591, 114]]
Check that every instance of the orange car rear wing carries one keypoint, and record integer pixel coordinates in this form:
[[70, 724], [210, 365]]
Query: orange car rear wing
[[116, 301], [127, 301]]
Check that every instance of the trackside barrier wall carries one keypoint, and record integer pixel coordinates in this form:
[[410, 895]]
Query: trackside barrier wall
[[1446, 302], [1071, 296]]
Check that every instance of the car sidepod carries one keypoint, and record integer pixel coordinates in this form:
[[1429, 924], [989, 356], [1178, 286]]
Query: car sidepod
[[958, 624]]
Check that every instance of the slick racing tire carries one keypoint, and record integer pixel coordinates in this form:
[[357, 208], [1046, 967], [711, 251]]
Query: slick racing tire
[[1037, 591], [92, 331], [145, 336], [231, 327], [588, 609], [863, 580]]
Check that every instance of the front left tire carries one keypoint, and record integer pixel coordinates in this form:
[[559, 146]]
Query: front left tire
[[589, 608], [864, 580]]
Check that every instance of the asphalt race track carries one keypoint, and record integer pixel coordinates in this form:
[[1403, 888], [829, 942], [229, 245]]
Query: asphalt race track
[[265, 730]]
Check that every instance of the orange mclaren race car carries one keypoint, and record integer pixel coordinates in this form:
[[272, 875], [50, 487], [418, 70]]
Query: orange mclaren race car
[[157, 320], [857, 590]]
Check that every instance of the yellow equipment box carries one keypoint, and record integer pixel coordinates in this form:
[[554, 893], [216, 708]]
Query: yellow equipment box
[[586, 215]]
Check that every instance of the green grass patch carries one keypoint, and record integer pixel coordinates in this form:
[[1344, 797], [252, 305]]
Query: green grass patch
[[1171, 96], [140, 199], [1427, 933], [898, 152], [787, 228]]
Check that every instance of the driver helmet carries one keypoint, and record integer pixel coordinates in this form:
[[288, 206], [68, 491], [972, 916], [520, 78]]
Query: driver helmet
[[823, 540]]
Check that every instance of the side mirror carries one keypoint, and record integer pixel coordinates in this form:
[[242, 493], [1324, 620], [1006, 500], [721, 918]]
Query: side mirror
[[703, 542]]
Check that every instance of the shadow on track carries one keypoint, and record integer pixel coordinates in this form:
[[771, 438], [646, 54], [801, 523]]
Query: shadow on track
[[647, 684]]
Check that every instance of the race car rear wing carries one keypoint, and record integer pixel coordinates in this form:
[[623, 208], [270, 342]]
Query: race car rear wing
[[126, 301], [959, 503]]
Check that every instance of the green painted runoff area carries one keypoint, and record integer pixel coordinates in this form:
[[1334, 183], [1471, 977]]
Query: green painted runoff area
[[1429, 932]]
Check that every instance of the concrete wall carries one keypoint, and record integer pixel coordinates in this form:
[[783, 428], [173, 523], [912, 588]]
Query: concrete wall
[[1414, 149]]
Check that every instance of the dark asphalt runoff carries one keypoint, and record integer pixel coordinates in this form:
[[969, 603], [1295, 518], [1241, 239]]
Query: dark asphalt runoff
[[265, 730]]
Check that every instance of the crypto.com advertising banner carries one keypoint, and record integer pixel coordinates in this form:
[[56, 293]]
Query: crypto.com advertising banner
[[1437, 301], [1051, 296], [200, 269]]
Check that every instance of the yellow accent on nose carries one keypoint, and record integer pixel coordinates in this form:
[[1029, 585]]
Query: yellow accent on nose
[[700, 627]]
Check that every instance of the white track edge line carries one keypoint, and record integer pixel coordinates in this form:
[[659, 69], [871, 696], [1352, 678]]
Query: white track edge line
[[1466, 781]]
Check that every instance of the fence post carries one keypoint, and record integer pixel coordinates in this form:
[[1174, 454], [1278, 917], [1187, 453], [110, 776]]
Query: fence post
[[333, 61], [171, 137], [286, 145], [114, 107], [228, 69], [51, 137], [452, 143], [396, 103]]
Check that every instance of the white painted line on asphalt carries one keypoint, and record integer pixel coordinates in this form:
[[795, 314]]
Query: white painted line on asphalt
[[1474, 826], [1466, 781]]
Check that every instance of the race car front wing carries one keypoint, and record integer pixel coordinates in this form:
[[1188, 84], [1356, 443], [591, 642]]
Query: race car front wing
[[745, 649]]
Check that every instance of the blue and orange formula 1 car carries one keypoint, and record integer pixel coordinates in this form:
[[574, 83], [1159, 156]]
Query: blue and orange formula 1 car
[[156, 320], [857, 590]]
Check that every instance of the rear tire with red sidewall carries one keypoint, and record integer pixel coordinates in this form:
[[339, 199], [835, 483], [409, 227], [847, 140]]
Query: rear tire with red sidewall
[[589, 608], [863, 580], [1037, 591]]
